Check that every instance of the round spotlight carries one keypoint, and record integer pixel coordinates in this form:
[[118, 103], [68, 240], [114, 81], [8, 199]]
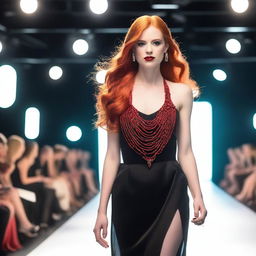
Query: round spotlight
[[254, 121], [8, 86], [219, 75], [239, 6], [98, 6], [80, 47], [74, 133], [233, 46], [28, 6], [55, 72], [100, 76], [1, 46], [32, 123]]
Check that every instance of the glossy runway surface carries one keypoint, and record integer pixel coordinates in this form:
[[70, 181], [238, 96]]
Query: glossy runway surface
[[230, 229]]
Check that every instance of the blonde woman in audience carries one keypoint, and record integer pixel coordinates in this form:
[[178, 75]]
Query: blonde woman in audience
[[11, 196], [60, 155], [26, 176], [55, 181]]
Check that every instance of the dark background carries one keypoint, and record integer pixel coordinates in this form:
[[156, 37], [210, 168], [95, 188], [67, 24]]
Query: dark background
[[33, 43]]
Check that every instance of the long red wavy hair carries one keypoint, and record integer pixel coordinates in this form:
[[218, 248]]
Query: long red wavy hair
[[112, 96]]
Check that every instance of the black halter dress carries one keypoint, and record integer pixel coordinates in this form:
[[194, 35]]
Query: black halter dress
[[145, 200]]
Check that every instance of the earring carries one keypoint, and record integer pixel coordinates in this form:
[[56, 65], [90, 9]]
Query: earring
[[133, 57], [166, 57]]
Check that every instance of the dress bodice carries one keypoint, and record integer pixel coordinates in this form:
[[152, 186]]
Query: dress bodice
[[149, 138], [131, 157]]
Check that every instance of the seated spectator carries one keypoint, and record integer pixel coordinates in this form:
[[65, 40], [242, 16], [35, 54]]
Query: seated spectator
[[24, 176], [11, 195], [240, 166], [9, 240], [87, 173], [248, 192], [60, 155], [55, 181]]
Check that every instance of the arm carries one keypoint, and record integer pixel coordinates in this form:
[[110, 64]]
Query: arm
[[110, 167], [185, 154], [25, 179], [52, 169]]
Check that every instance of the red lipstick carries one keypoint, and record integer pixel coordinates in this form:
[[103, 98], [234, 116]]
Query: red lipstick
[[149, 58]]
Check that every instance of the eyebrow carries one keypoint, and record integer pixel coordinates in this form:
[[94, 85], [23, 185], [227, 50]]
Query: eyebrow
[[152, 40]]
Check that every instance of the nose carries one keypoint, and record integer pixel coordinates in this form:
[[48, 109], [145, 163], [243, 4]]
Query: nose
[[149, 48]]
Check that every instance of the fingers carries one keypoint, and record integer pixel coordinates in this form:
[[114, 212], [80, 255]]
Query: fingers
[[199, 220], [104, 231], [98, 237]]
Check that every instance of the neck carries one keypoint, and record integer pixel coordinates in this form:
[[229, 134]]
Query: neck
[[149, 76]]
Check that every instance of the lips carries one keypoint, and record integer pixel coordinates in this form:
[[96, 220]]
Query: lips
[[149, 58]]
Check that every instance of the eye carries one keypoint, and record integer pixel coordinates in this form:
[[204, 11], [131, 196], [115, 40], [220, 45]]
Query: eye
[[157, 42], [140, 43]]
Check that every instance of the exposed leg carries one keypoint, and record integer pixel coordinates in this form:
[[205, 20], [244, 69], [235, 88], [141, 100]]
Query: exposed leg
[[173, 237], [234, 187], [89, 180]]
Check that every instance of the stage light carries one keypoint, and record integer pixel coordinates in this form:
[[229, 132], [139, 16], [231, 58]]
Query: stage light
[[233, 46], [1, 46], [80, 47], [32, 123], [28, 6], [55, 72], [74, 133], [8, 84], [165, 6], [100, 76], [219, 75], [254, 121], [239, 6], [98, 6]]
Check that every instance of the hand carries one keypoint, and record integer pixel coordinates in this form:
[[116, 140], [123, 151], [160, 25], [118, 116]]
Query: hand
[[198, 205], [248, 190], [47, 179], [101, 223]]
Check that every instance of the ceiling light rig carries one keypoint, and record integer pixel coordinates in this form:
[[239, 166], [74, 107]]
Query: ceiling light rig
[[55, 72], [233, 46], [28, 6], [80, 47], [239, 6], [98, 6]]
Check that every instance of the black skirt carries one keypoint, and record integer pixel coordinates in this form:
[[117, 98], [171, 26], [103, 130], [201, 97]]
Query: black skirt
[[144, 202]]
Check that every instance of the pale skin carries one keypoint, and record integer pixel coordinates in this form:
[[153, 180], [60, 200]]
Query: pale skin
[[148, 97]]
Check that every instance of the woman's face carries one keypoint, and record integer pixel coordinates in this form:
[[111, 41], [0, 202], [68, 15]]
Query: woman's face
[[151, 43]]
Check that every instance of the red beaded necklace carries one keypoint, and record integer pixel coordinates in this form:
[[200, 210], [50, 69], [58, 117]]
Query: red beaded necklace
[[149, 137]]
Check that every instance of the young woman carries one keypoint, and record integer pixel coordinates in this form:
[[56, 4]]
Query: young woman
[[25, 176], [8, 158], [145, 104], [87, 173]]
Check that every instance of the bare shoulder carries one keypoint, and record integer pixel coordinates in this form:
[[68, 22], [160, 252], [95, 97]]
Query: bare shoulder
[[22, 163], [181, 94]]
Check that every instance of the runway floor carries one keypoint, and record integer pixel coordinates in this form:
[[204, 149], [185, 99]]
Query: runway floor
[[230, 229]]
